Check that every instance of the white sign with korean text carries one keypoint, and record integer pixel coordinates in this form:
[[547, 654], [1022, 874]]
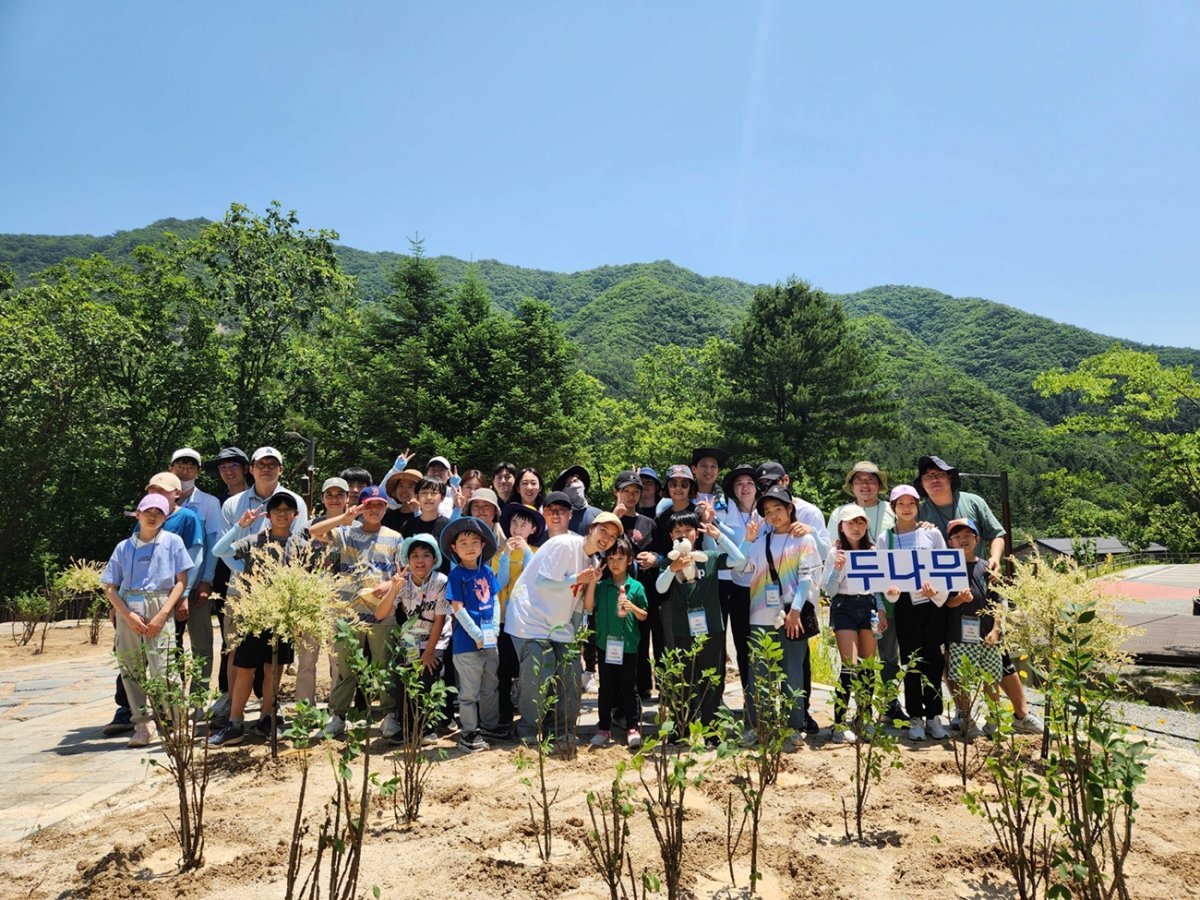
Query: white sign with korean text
[[908, 570]]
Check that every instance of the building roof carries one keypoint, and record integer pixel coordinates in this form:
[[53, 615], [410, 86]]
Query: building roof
[[1103, 545]]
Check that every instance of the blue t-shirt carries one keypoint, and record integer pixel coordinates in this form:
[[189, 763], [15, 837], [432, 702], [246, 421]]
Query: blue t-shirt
[[185, 523], [150, 567], [476, 590]]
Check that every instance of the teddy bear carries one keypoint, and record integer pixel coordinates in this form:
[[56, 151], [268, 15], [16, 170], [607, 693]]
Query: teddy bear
[[683, 549]]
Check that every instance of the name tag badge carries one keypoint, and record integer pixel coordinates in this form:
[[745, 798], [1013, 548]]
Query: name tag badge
[[697, 622], [774, 600], [136, 604], [971, 630], [614, 651], [489, 638]]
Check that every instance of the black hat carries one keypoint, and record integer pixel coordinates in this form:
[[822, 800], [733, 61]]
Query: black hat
[[556, 497], [282, 498], [735, 473], [769, 472], [719, 455], [572, 471], [782, 494], [511, 509], [464, 524], [925, 463], [628, 478], [237, 454]]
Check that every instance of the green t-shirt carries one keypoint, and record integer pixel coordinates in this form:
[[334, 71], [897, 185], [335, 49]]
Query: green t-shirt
[[608, 623], [704, 593]]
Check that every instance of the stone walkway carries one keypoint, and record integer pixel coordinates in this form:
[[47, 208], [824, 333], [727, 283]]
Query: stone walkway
[[55, 760]]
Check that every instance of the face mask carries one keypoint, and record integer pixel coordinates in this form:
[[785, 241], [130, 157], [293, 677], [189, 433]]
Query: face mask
[[187, 485], [575, 493]]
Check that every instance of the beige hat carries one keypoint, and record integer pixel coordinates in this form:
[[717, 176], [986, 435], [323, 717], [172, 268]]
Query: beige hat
[[168, 481], [607, 518], [484, 495], [869, 468]]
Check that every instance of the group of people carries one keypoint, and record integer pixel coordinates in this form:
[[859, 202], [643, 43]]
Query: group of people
[[487, 581]]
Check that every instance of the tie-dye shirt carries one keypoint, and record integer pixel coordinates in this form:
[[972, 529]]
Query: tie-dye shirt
[[798, 563]]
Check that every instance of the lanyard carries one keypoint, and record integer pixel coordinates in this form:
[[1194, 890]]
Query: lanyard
[[133, 582], [771, 560]]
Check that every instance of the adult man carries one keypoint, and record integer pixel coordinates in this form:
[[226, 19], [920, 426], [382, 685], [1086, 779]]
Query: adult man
[[575, 482], [543, 612], [185, 464], [231, 466], [651, 491], [939, 484], [556, 509], [706, 466]]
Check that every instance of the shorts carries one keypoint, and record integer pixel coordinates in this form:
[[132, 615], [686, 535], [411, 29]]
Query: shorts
[[985, 658], [255, 650], [851, 612]]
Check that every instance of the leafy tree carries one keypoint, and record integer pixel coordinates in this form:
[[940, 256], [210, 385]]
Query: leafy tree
[[801, 388]]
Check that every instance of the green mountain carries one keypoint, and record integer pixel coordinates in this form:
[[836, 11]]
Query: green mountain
[[617, 313]]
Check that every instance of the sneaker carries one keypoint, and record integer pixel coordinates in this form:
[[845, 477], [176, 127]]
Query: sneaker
[[750, 738], [263, 726], [336, 727], [894, 713], [916, 730], [601, 738], [842, 735], [936, 729], [122, 722], [143, 734], [811, 726], [793, 742], [390, 726], [589, 678], [969, 728], [472, 742], [230, 736], [956, 721], [1030, 723], [990, 729], [634, 739], [431, 737], [495, 733], [220, 709]]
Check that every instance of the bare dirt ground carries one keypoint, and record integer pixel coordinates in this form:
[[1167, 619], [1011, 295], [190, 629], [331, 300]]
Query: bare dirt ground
[[64, 641], [474, 839]]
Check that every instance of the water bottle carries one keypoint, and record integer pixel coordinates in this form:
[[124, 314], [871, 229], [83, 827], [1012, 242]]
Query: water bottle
[[875, 624], [621, 602]]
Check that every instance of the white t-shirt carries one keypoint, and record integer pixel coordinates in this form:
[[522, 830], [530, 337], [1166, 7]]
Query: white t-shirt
[[544, 607]]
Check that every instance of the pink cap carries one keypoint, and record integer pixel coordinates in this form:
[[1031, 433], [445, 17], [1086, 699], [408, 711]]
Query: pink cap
[[903, 490], [154, 501]]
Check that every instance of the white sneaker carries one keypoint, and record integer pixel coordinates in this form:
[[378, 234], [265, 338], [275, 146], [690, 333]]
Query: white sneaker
[[589, 678], [843, 736], [936, 729], [601, 739], [390, 727], [1031, 723], [336, 727], [916, 730]]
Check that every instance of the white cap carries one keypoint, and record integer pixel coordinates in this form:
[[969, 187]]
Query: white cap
[[266, 451], [335, 482], [438, 459], [185, 453]]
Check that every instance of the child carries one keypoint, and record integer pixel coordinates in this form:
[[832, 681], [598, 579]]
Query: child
[[472, 591], [524, 525], [430, 494], [971, 631], [783, 570], [850, 612], [618, 604], [254, 650], [420, 604], [919, 620], [144, 579], [693, 609]]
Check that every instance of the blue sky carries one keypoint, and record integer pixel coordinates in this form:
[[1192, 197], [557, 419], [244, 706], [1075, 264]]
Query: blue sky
[[1041, 155]]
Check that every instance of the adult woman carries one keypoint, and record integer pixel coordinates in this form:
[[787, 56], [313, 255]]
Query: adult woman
[[529, 488], [504, 482], [740, 492]]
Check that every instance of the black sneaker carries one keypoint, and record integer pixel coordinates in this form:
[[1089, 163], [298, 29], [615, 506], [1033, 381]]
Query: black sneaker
[[895, 713], [263, 726], [122, 722], [499, 733], [810, 725], [231, 735], [472, 742]]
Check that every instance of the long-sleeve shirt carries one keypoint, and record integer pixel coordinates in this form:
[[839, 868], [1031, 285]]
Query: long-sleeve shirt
[[542, 605], [681, 598], [233, 509], [798, 564]]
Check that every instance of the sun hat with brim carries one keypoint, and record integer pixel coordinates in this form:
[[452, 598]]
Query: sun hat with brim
[[719, 455], [734, 474], [372, 494], [865, 467], [925, 463], [647, 472], [335, 482], [512, 509], [484, 495], [954, 524], [903, 490], [462, 525], [154, 501], [781, 494], [429, 541], [853, 511], [607, 518], [410, 474], [227, 454], [185, 453], [572, 472]]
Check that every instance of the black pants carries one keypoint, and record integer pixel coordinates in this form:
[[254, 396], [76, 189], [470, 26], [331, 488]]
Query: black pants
[[921, 629], [510, 668], [735, 610], [618, 688], [651, 629], [400, 694]]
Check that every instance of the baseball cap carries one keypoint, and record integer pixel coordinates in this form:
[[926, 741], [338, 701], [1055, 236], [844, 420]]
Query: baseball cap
[[607, 518], [903, 490], [556, 498], [167, 481], [954, 524], [853, 511], [628, 478], [372, 494], [282, 498], [681, 471], [776, 493], [335, 482], [769, 471], [438, 460], [154, 501], [185, 453], [263, 452]]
